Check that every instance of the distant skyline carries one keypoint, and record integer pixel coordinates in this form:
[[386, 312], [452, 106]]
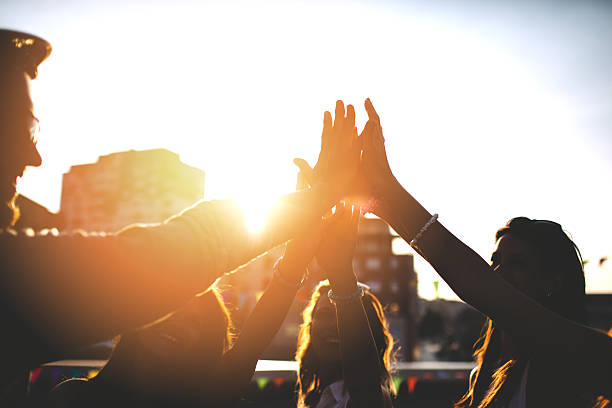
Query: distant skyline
[[490, 109]]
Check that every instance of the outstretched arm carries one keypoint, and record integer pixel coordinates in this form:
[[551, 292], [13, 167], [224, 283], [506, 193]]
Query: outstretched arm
[[472, 278], [361, 366], [68, 291], [74, 290], [238, 364]]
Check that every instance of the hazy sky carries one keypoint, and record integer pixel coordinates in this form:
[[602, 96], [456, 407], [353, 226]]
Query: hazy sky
[[490, 109]]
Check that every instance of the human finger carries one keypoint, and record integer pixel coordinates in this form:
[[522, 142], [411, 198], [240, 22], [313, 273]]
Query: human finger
[[301, 183], [305, 169], [327, 126], [371, 111], [339, 114], [350, 116], [373, 115]]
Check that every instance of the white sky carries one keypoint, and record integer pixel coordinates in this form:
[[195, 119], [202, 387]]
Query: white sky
[[490, 109]]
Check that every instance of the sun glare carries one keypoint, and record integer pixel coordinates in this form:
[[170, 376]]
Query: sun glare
[[256, 208], [239, 101]]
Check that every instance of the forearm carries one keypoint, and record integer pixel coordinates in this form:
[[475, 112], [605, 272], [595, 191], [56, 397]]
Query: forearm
[[259, 330], [473, 280], [360, 361], [456, 263], [263, 323], [75, 290], [232, 244]]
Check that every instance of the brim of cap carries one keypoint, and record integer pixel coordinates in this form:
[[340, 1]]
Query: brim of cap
[[26, 48]]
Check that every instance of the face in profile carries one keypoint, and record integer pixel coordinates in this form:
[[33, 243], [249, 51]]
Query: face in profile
[[517, 263], [19, 130]]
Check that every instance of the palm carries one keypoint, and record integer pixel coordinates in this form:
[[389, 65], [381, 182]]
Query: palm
[[375, 172], [340, 238], [339, 157], [366, 172]]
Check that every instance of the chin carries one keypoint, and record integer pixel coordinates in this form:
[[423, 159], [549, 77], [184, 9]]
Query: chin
[[9, 213]]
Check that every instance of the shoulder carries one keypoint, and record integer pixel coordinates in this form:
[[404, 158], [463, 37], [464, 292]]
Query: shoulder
[[70, 393], [385, 401]]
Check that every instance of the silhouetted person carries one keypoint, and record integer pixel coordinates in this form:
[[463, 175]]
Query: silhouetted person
[[536, 352], [188, 358], [344, 346], [60, 292]]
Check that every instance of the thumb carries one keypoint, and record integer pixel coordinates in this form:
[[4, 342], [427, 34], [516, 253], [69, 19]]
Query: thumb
[[301, 182], [306, 170]]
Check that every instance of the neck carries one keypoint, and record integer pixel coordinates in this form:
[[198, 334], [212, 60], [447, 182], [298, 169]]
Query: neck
[[329, 374]]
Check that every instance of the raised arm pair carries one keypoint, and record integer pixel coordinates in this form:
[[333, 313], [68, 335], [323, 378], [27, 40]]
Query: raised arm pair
[[518, 296]]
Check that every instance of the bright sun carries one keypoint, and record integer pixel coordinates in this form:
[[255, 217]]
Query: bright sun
[[256, 206]]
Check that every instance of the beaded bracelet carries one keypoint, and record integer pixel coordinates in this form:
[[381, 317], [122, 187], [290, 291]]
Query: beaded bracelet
[[358, 293], [413, 242], [285, 282]]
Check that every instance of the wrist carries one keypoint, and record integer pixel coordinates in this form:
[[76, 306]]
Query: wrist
[[339, 299], [343, 283], [327, 194], [288, 274], [387, 197]]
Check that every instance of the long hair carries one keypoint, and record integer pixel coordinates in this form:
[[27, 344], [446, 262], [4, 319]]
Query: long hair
[[174, 351], [559, 260], [308, 381]]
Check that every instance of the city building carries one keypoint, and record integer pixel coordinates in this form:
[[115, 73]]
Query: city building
[[128, 187], [391, 278]]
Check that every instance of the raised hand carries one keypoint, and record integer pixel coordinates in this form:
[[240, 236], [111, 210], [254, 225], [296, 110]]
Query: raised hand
[[340, 153], [376, 176], [335, 255]]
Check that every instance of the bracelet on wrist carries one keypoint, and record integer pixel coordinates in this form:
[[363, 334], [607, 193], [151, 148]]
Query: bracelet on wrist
[[414, 241], [284, 282], [357, 294]]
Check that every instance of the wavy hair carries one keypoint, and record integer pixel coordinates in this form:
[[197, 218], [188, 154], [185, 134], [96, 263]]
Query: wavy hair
[[560, 260], [308, 381]]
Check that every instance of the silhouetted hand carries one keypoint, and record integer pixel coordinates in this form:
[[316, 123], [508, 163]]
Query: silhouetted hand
[[340, 153], [375, 174], [335, 255]]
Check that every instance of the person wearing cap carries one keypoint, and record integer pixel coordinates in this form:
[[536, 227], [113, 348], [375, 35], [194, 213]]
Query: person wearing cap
[[61, 292]]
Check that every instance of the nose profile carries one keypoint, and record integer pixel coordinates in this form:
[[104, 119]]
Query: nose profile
[[34, 158]]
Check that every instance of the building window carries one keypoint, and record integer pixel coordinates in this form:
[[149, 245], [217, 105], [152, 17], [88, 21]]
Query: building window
[[371, 246], [373, 263], [395, 287]]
